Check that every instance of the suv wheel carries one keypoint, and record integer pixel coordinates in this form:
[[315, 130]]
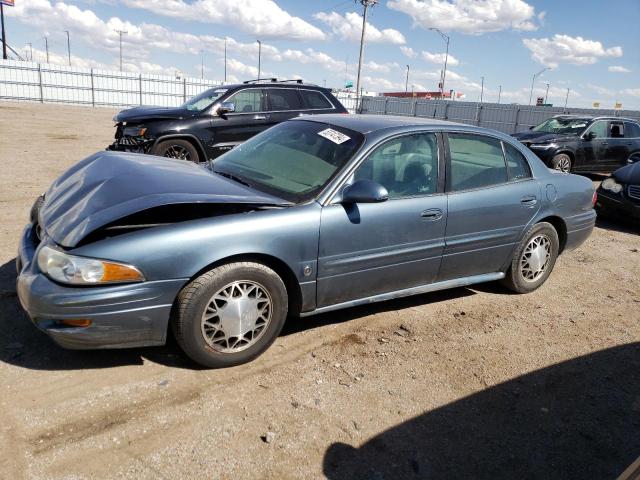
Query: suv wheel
[[534, 259], [231, 314], [179, 149], [562, 162]]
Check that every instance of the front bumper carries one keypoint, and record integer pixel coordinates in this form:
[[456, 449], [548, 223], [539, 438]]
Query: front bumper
[[617, 205], [121, 316], [131, 144]]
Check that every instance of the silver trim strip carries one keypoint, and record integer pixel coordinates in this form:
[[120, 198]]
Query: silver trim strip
[[432, 287]]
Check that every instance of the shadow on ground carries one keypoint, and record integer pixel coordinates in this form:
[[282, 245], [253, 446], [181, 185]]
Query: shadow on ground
[[574, 420], [618, 224]]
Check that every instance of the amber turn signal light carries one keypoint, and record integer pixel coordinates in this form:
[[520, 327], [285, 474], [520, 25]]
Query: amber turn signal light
[[76, 322]]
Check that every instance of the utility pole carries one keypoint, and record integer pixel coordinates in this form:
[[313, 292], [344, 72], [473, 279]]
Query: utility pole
[[46, 47], [4, 35], [30, 52], [566, 100], [225, 59], [499, 92], [481, 89], [446, 38], [366, 4], [546, 94], [121, 32], [406, 82], [68, 46], [259, 55], [534, 81]]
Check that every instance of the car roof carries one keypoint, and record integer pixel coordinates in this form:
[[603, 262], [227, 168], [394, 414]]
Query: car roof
[[597, 117], [367, 123], [270, 84]]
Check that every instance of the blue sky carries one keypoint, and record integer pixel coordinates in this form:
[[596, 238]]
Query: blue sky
[[591, 46]]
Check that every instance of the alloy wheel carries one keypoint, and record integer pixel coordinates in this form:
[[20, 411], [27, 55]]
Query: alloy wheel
[[177, 151], [564, 165], [535, 258]]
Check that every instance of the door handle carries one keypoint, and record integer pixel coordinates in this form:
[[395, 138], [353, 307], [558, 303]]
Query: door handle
[[529, 200], [259, 117], [432, 214], [604, 143]]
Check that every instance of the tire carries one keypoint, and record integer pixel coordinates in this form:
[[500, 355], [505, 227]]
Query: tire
[[221, 340], [519, 276], [562, 162], [179, 149]]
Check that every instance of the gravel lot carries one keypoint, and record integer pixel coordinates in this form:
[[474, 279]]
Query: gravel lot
[[466, 383]]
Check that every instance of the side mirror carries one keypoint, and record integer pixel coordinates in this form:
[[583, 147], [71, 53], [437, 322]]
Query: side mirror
[[590, 136], [364, 191], [226, 107]]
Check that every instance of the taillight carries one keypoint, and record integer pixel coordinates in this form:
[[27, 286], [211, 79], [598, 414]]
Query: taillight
[[594, 199]]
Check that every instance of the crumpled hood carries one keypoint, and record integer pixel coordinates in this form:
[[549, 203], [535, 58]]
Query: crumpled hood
[[541, 137], [629, 174], [108, 186], [140, 114]]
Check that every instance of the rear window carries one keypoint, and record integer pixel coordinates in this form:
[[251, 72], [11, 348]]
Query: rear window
[[518, 166], [632, 130], [315, 99], [284, 99], [476, 161]]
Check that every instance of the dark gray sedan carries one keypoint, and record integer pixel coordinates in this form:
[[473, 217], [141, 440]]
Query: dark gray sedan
[[310, 216]]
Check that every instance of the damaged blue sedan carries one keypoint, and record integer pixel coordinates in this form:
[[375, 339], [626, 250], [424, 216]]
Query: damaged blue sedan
[[310, 216]]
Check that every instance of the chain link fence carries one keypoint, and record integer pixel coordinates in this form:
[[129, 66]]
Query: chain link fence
[[498, 116]]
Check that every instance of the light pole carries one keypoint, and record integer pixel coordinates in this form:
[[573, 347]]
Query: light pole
[[121, 32], [566, 99], [406, 82], [68, 46], [46, 47], [202, 64], [446, 38], [30, 52], [225, 59], [499, 92], [546, 95], [481, 89], [534, 81], [4, 35], [366, 4], [259, 55]]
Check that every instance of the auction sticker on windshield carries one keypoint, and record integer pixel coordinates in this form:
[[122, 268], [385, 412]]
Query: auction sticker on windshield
[[334, 135]]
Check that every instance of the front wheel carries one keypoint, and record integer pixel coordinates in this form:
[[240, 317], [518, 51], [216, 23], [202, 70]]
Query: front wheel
[[179, 149], [231, 314], [562, 162], [534, 259]]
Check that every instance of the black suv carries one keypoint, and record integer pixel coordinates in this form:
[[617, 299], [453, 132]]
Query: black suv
[[218, 119], [584, 143]]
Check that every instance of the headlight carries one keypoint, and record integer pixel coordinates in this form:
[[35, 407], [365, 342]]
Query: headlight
[[611, 185], [135, 131], [543, 145], [65, 268]]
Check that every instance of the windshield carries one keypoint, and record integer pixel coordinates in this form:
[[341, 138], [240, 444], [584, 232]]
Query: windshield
[[294, 160], [569, 126], [204, 100]]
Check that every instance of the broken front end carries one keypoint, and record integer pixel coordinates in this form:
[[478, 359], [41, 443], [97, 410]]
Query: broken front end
[[131, 138]]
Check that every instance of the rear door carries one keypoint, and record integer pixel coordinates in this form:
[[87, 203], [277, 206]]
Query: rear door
[[250, 117], [490, 203], [284, 104], [618, 146], [592, 152], [632, 136], [373, 248]]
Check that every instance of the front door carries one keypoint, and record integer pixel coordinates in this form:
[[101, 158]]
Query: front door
[[250, 117], [592, 151], [618, 147], [373, 248], [490, 204]]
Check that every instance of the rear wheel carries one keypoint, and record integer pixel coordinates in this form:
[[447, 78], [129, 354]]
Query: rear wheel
[[179, 149], [562, 162], [534, 259], [231, 314]]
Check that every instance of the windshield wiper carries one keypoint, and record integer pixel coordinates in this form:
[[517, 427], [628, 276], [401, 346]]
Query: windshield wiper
[[232, 177]]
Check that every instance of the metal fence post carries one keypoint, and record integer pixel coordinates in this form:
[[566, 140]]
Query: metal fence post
[[446, 111], [414, 107], [515, 126], [140, 84], [184, 89], [40, 83], [386, 100], [93, 93]]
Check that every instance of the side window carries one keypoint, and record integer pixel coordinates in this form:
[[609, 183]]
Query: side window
[[599, 128], [632, 130], [616, 130], [315, 99], [518, 165], [476, 161], [284, 99], [247, 101], [406, 166]]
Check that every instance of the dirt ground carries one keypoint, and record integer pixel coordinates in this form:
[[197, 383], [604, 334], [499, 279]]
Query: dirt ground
[[466, 383]]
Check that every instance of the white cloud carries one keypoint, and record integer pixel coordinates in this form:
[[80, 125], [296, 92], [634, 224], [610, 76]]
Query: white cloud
[[634, 92], [408, 52], [261, 18], [565, 49], [380, 67], [349, 27], [438, 58], [242, 69], [469, 16], [320, 59], [618, 69]]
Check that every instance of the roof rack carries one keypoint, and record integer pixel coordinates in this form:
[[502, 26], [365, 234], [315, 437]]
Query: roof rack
[[273, 80], [297, 80]]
